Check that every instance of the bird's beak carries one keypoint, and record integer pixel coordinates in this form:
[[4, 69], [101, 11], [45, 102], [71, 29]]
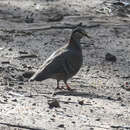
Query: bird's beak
[[86, 34]]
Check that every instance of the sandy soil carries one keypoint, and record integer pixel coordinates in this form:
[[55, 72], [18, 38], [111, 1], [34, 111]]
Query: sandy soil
[[30, 31]]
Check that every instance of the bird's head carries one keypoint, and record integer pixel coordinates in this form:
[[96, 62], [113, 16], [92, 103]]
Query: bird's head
[[79, 32]]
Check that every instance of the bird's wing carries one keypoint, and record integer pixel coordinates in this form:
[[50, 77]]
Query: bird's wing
[[54, 64]]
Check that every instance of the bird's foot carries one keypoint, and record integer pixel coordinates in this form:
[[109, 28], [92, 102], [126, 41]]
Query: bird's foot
[[60, 88], [63, 88], [68, 88]]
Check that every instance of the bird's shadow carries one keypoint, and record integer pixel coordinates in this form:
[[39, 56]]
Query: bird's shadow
[[83, 94]]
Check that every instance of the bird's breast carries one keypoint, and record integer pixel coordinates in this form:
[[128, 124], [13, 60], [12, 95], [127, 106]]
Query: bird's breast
[[73, 63]]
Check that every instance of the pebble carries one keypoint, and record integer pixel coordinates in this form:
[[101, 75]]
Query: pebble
[[53, 103], [61, 126], [110, 57], [81, 102]]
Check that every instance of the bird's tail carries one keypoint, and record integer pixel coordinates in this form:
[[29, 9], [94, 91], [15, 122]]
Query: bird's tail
[[38, 77]]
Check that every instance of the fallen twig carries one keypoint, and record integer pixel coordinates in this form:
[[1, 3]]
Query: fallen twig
[[27, 56], [68, 26], [49, 97], [97, 126], [21, 126], [123, 127], [60, 27]]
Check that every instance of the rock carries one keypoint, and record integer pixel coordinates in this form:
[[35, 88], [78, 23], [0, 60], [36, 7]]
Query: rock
[[20, 78], [20, 87], [109, 98], [61, 126], [29, 19], [98, 119], [28, 74], [11, 84], [24, 65], [34, 104], [119, 98], [91, 110], [53, 103], [81, 102], [5, 62], [118, 94], [10, 49], [23, 52], [21, 83], [123, 105], [69, 99], [110, 57], [5, 100], [52, 119], [55, 18], [14, 100]]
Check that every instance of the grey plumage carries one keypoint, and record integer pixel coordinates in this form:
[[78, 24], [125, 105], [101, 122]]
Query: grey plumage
[[63, 63]]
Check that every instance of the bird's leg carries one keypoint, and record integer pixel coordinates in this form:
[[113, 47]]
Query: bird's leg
[[67, 85], [57, 85]]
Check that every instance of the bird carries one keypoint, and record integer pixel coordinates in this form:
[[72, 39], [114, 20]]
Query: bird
[[64, 62]]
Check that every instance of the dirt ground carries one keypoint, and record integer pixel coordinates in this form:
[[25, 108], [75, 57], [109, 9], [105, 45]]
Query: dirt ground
[[30, 30]]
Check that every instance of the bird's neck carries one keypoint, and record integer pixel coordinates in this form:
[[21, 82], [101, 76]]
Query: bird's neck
[[74, 43]]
